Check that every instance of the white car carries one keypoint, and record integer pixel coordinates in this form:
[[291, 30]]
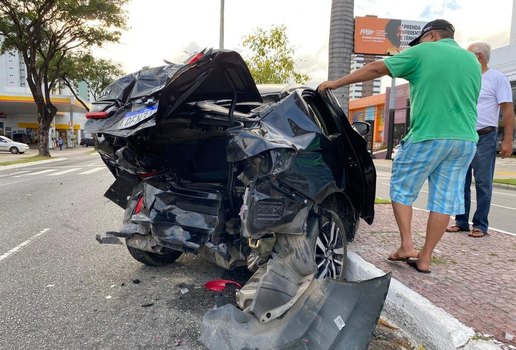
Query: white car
[[395, 151], [8, 145]]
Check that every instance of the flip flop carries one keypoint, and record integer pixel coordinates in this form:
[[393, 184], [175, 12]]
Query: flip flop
[[455, 228], [413, 263], [396, 257], [477, 233]]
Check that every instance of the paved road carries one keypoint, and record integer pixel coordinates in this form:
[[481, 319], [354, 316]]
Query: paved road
[[60, 289]]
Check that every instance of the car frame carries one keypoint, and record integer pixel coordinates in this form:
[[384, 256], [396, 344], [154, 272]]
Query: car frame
[[274, 178]]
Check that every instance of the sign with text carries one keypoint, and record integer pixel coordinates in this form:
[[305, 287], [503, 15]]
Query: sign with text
[[384, 36]]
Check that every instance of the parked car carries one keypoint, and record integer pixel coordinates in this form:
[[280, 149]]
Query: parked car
[[8, 145], [274, 178], [85, 142], [395, 151], [23, 138]]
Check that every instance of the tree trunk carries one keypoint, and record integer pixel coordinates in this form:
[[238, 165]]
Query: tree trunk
[[341, 46]]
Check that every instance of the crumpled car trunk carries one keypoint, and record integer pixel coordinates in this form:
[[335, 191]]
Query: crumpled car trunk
[[204, 166]]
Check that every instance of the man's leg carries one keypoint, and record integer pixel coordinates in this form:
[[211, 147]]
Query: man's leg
[[462, 220], [435, 228], [483, 169], [403, 215]]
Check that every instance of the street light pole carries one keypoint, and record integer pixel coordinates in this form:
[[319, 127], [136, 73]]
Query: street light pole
[[221, 29]]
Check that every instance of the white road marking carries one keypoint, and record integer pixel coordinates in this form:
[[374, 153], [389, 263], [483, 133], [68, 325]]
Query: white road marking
[[16, 173], [91, 171], [37, 173], [23, 244], [64, 172]]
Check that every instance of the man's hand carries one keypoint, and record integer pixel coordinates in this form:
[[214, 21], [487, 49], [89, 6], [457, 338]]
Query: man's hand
[[329, 84], [506, 148]]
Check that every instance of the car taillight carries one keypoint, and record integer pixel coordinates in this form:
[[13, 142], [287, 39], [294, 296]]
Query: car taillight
[[96, 115], [138, 208]]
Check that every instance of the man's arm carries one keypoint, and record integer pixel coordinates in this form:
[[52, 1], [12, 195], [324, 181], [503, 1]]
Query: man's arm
[[370, 71], [508, 127]]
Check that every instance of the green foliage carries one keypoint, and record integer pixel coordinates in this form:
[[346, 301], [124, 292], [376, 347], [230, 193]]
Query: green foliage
[[46, 33], [272, 60], [97, 73]]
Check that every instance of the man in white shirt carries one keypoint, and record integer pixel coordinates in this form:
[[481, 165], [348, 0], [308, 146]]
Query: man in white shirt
[[495, 96]]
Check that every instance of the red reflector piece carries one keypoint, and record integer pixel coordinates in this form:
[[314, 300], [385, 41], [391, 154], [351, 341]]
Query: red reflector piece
[[195, 58], [138, 208], [96, 115], [149, 174], [219, 285]]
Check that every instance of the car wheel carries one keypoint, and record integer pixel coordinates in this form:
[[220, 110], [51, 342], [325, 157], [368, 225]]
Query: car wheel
[[330, 246], [154, 259], [14, 150]]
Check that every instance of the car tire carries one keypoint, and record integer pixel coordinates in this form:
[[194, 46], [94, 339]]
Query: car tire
[[14, 150], [154, 259], [330, 246]]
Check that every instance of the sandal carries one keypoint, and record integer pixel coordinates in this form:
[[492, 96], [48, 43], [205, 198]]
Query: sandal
[[395, 256], [455, 228], [477, 233]]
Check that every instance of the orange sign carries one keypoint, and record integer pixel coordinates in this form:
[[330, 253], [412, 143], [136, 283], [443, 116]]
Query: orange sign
[[384, 36]]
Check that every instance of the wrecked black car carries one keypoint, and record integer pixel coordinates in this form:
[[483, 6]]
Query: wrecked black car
[[273, 178]]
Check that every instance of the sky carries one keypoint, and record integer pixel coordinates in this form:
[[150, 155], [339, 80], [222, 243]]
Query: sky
[[173, 29]]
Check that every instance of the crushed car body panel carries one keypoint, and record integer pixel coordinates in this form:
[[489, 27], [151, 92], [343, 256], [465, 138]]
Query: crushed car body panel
[[329, 315]]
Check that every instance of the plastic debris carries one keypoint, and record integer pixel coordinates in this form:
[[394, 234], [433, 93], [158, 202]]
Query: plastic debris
[[184, 290], [219, 285]]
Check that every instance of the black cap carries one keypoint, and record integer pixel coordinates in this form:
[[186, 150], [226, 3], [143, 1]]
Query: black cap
[[435, 24]]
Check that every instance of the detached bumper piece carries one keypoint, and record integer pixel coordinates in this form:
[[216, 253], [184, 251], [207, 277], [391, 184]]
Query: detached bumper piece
[[330, 314], [108, 238]]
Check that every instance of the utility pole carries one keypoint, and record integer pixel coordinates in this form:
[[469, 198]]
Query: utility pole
[[221, 29]]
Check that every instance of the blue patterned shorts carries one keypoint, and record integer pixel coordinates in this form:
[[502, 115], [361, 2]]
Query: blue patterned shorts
[[443, 162]]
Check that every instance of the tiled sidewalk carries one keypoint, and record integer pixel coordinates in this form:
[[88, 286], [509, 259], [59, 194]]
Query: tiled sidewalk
[[473, 279]]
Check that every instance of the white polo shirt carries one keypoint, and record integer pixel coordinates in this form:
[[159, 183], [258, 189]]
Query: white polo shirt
[[495, 89]]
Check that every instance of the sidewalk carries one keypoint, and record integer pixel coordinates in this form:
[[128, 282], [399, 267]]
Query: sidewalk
[[474, 280]]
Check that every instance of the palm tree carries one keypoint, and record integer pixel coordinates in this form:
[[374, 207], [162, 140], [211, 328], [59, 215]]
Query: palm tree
[[341, 46]]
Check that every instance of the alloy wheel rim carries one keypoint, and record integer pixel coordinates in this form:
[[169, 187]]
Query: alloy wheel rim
[[329, 251]]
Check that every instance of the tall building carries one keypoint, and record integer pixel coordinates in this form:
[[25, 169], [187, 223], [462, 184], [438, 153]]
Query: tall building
[[367, 88]]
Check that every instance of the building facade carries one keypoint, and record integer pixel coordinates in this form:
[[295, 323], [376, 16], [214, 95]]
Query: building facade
[[18, 112], [367, 88]]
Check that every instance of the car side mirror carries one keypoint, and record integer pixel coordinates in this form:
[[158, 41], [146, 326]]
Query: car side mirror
[[362, 128]]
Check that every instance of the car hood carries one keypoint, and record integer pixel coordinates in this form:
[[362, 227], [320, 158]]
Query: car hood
[[152, 94]]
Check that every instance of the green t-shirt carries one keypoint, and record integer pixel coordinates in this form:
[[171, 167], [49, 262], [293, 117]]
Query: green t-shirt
[[444, 86]]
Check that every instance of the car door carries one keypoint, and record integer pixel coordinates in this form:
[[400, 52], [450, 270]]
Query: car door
[[361, 181], [4, 146]]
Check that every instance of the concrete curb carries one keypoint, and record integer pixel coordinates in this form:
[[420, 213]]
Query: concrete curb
[[424, 322]]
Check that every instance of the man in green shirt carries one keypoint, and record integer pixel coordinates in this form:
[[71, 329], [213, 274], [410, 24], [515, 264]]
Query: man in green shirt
[[444, 86]]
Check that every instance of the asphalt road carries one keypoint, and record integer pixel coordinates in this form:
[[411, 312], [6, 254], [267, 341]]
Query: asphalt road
[[61, 289]]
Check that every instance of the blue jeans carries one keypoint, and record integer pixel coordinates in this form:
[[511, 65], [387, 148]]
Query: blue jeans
[[482, 168]]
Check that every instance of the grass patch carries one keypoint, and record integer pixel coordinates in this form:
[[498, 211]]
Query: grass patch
[[25, 160], [438, 261], [505, 181], [382, 201]]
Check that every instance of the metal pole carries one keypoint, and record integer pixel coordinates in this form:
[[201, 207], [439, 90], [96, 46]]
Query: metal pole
[[221, 29], [392, 114]]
